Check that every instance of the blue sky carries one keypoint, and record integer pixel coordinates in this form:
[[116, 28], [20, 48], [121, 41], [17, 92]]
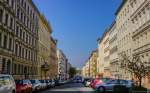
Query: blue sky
[[77, 24]]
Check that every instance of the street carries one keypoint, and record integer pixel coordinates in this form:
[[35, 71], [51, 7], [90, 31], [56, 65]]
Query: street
[[69, 88]]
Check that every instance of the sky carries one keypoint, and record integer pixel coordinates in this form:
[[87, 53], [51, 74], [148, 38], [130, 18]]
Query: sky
[[77, 24]]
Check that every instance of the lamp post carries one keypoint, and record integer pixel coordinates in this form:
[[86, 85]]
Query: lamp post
[[45, 68]]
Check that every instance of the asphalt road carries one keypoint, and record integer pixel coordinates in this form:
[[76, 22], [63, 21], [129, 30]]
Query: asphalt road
[[70, 88]]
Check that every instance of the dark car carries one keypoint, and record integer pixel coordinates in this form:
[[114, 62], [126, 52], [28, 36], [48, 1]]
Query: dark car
[[56, 82]]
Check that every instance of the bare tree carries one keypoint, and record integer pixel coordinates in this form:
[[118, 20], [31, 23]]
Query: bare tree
[[140, 69]]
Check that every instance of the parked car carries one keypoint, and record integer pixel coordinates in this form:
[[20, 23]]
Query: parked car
[[61, 82], [7, 84], [52, 82], [78, 79], [98, 81], [94, 82], [36, 85], [23, 86], [56, 82], [109, 85], [87, 82], [48, 82], [43, 84], [129, 84]]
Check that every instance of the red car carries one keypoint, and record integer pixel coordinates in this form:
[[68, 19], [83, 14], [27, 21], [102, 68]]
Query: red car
[[96, 81], [23, 86]]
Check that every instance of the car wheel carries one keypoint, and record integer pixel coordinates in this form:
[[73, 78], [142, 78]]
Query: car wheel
[[13, 91], [101, 89]]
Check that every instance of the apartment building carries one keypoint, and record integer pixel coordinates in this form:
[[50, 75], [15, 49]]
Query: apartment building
[[53, 58], [93, 64], [133, 23], [18, 38], [62, 60], [124, 39], [140, 21], [44, 51], [84, 71], [114, 62], [103, 55]]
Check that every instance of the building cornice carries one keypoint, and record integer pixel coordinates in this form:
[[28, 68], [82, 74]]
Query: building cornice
[[34, 6], [54, 40], [45, 22], [121, 6]]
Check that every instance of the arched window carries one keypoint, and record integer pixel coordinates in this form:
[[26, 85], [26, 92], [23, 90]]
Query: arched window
[[3, 65], [8, 67]]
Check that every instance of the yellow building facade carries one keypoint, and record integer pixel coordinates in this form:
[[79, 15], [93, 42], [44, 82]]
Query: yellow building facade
[[103, 65], [53, 58], [93, 64], [44, 48]]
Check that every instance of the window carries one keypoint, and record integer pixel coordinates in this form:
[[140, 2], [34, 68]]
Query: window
[[8, 67], [20, 51], [15, 68], [19, 69], [22, 2], [5, 41], [0, 39], [12, 3], [1, 15], [21, 16], [7, 1], [16, 49], [3, 65], [25, 6], [11, 23], [24, 20], [29, 40], [24, 36], [28, 10], [20, 33], [26, 53], [18, 12], [29, 55], [17, 31], [10, 44], [6, 19]]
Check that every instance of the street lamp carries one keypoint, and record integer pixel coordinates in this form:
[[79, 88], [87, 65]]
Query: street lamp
[[45, 68]]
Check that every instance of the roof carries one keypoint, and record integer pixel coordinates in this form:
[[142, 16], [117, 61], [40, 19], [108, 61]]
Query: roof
[[34, 6], [53, 40], [120, 7], [47, 24], [104, 34], [106, 31]]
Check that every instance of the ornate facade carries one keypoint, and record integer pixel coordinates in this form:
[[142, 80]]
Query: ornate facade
[[18, 38]]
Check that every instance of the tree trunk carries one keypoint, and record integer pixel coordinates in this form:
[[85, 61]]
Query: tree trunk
[[140, 82]]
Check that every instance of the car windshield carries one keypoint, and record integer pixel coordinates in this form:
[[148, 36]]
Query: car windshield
[[105, 79], [42, 81], [4, 80], [33, 81], [18, 81]]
